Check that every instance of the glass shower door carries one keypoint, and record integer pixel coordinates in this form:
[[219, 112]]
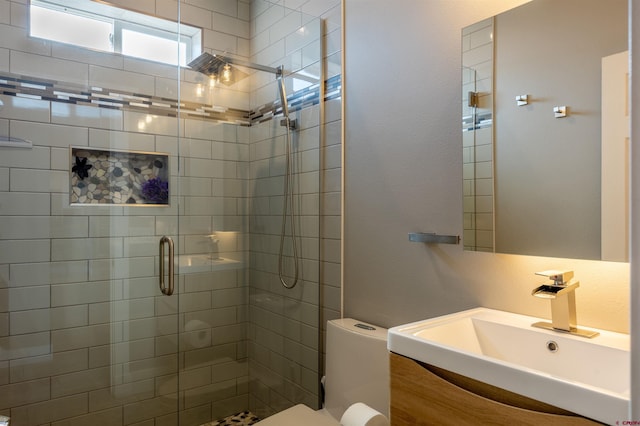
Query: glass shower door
[[88, 151]]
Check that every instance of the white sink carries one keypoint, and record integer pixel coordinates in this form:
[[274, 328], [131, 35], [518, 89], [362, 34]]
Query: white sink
[[590, 377], [194, 263]]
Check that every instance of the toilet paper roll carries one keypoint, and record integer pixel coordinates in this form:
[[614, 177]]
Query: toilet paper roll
[[360, 414]]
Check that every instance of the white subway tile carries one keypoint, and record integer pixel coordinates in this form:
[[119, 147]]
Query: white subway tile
[[60, 207], [198, 225], [85, 248], [194, 302], [21, 251], [145, 328], [36, 158], [227, 7], [229, 297], [27, 180], [140, 287], [150, 123], [86, 56], [196, 16], [189, 186], [109, 78], [32, 321], [24, 345], [221, 41], [24, 203], [85, 292], [52, 410], [68, 227], [231, 25], [26, 274], [25, 227], [69, 316], [151, 367], [125, 310], [103, 269], [24, 393], [4, 179], [121, 140], [80, 381], [17, 108], [4, 323], [140, 246], [86, 116], [149, 68], [116, 396], [112, 417], [198, 396], [121, 226], [60, 159], [22, 298], [5, 12], [4, 276], [194, 378], [201, 129], [80, 337], [148, 409], [15, 38], [50, 68], [48, 365], [268, 18]]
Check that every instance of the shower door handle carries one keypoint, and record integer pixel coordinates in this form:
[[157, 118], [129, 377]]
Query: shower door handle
[[166, 290]]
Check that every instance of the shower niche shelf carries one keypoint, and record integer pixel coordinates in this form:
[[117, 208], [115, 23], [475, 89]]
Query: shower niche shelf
[[115, 177]]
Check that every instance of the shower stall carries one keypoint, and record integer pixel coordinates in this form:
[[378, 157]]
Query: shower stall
[[120, 175]]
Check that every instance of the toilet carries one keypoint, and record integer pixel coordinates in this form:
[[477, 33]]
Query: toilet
[[357, 373]]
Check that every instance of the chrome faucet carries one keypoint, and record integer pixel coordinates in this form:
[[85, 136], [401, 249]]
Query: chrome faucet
[[562, 294]]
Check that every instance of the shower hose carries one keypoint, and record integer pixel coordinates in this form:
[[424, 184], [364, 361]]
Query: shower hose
[[288, 212]]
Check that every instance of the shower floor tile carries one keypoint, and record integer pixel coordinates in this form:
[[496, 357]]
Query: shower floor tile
[[245, 418]]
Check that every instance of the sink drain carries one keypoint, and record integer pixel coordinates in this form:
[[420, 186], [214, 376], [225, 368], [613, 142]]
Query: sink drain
[[552, 346]]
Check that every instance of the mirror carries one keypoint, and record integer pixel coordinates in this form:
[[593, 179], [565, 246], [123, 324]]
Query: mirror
[[545, 130]]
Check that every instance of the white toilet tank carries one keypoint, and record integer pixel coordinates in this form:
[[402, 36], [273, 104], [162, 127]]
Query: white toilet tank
[[357, 366]]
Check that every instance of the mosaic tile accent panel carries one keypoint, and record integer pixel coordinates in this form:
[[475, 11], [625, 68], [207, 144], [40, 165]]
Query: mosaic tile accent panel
[[100, 177], [245, 418]]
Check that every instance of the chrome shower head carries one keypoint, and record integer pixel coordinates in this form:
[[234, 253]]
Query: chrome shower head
[[208, 64], [217, 67], [214, 65]]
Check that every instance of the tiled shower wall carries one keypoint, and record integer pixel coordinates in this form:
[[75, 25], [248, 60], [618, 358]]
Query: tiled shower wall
[[85, 336], [285, 325], [477, 76]]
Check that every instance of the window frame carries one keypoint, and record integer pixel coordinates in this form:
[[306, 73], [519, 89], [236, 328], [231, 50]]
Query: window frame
[[125, 19]]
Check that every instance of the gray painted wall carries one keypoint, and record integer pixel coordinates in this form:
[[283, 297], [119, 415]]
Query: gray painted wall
[[548, 169], [402, 173]]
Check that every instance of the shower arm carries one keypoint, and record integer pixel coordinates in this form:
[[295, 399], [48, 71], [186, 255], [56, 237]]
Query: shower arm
[[247, 64], [279, 73]]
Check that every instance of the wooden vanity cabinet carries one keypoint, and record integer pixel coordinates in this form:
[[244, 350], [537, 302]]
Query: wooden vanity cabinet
[[422, 394]]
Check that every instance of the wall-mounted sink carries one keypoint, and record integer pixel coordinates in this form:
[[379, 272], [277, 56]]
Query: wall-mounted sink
[[194, 263], [590, 377]]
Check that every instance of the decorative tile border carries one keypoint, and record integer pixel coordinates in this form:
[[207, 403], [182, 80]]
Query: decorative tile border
[[100, 177], [49, 90]]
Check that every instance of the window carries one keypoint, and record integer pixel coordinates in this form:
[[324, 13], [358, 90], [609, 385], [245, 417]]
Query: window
[[107, 28]]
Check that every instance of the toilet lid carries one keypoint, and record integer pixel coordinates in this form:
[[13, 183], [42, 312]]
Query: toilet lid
[[296, 416]]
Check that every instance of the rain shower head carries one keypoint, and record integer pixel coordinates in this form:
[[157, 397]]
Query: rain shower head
[[208, 64], [219, 66]]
